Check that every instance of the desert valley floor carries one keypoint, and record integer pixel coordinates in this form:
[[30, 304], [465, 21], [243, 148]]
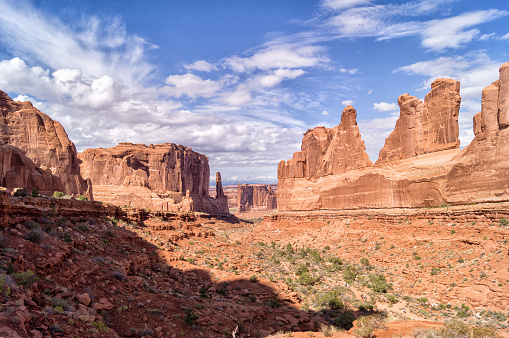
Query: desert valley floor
[[255, 274]]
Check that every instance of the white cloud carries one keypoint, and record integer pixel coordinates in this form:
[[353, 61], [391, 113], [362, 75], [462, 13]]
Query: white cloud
[[390, 21], [342, 4], [505, 37], [191, 85], [384, 106], [452, 33], [325, 113], [201, 66], [374, 132], [101, 48], [348, 102], [284, 56], [348, 71], [370, 92]]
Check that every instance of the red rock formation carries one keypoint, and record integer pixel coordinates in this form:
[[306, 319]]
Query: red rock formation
[[481, 171], [256, 197], [427, 127], [420, 164], [155, 176], [328, 151], [18, 171], [44, 141], [219, 186]]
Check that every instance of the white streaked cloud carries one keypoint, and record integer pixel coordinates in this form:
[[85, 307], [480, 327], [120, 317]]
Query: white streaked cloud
[[347, 102], [201, 66]]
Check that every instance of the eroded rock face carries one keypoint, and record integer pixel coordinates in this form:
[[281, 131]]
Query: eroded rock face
[[18, 171], [151, 176], [256, 197], [425, 127], [420, 164], [327, 151], [44, 141]]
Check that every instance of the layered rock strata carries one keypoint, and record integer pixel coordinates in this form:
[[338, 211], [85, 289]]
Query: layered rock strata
[[160, 177], [45, 142], [256, 197], [420, 165]]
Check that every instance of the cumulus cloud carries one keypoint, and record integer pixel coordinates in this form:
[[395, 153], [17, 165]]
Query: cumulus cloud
[[191, 85], [384, 106], [201, 66], [325, 113], [95, 47], [347, 102]]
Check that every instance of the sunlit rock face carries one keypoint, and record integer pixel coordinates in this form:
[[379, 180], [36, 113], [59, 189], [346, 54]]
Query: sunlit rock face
[[420, 164], [151, 176], [45, 142]]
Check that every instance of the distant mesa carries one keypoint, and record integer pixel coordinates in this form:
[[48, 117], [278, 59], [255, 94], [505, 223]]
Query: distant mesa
[[256, 197], [420, 164], [35, 152], [164, 176]]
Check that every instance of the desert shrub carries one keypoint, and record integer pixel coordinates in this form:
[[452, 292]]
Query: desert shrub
[[253, 278], [349, 273], [307, 279], [82, 227], [20, 193], [35, 192], [345, 320], [366, 325], [58, 194], [301, 269], [504, 222], [31, 224], [274, 303], [35, 236], [331, 300], [82, 198], [456, 329], [378, 283], [5, 289], [25, 278], [392, 298], [191, 317], [364, 261]]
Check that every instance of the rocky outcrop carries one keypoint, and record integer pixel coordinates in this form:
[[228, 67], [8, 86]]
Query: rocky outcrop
[[428, 127], [420, 164], [256, 197], [327, 151], [45, 142], [161, 177], [18, 171]]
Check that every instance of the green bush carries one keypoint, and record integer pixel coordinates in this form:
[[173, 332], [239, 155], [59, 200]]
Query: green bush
[[456, 329], [25, 278], [349, 273], [345, 320], [35, 236], [366, 325], [253, 278], [191, 317], [82, 198], [82, 227], [35, 192], [307, 279], [58, 194], [5, 289], [364, 261]]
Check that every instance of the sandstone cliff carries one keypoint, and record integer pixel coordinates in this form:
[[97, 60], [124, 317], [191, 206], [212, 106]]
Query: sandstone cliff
[[151, 176], [45, 142], [427, 127], [327, 151], [256, 197], [420, 164]]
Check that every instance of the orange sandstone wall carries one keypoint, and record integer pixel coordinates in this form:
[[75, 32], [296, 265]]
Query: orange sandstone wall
[[420, 164]]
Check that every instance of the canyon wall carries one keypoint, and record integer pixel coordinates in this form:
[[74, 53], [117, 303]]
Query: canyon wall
[[160, 177], [45, 143], [256, 197], [420, 164]]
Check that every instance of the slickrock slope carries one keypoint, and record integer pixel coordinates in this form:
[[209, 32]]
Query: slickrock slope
[[420, 164], [256, 197], [162, 177], [45, 142]]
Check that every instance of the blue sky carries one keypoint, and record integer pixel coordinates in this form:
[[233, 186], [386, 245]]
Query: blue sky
[[241, 81]]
